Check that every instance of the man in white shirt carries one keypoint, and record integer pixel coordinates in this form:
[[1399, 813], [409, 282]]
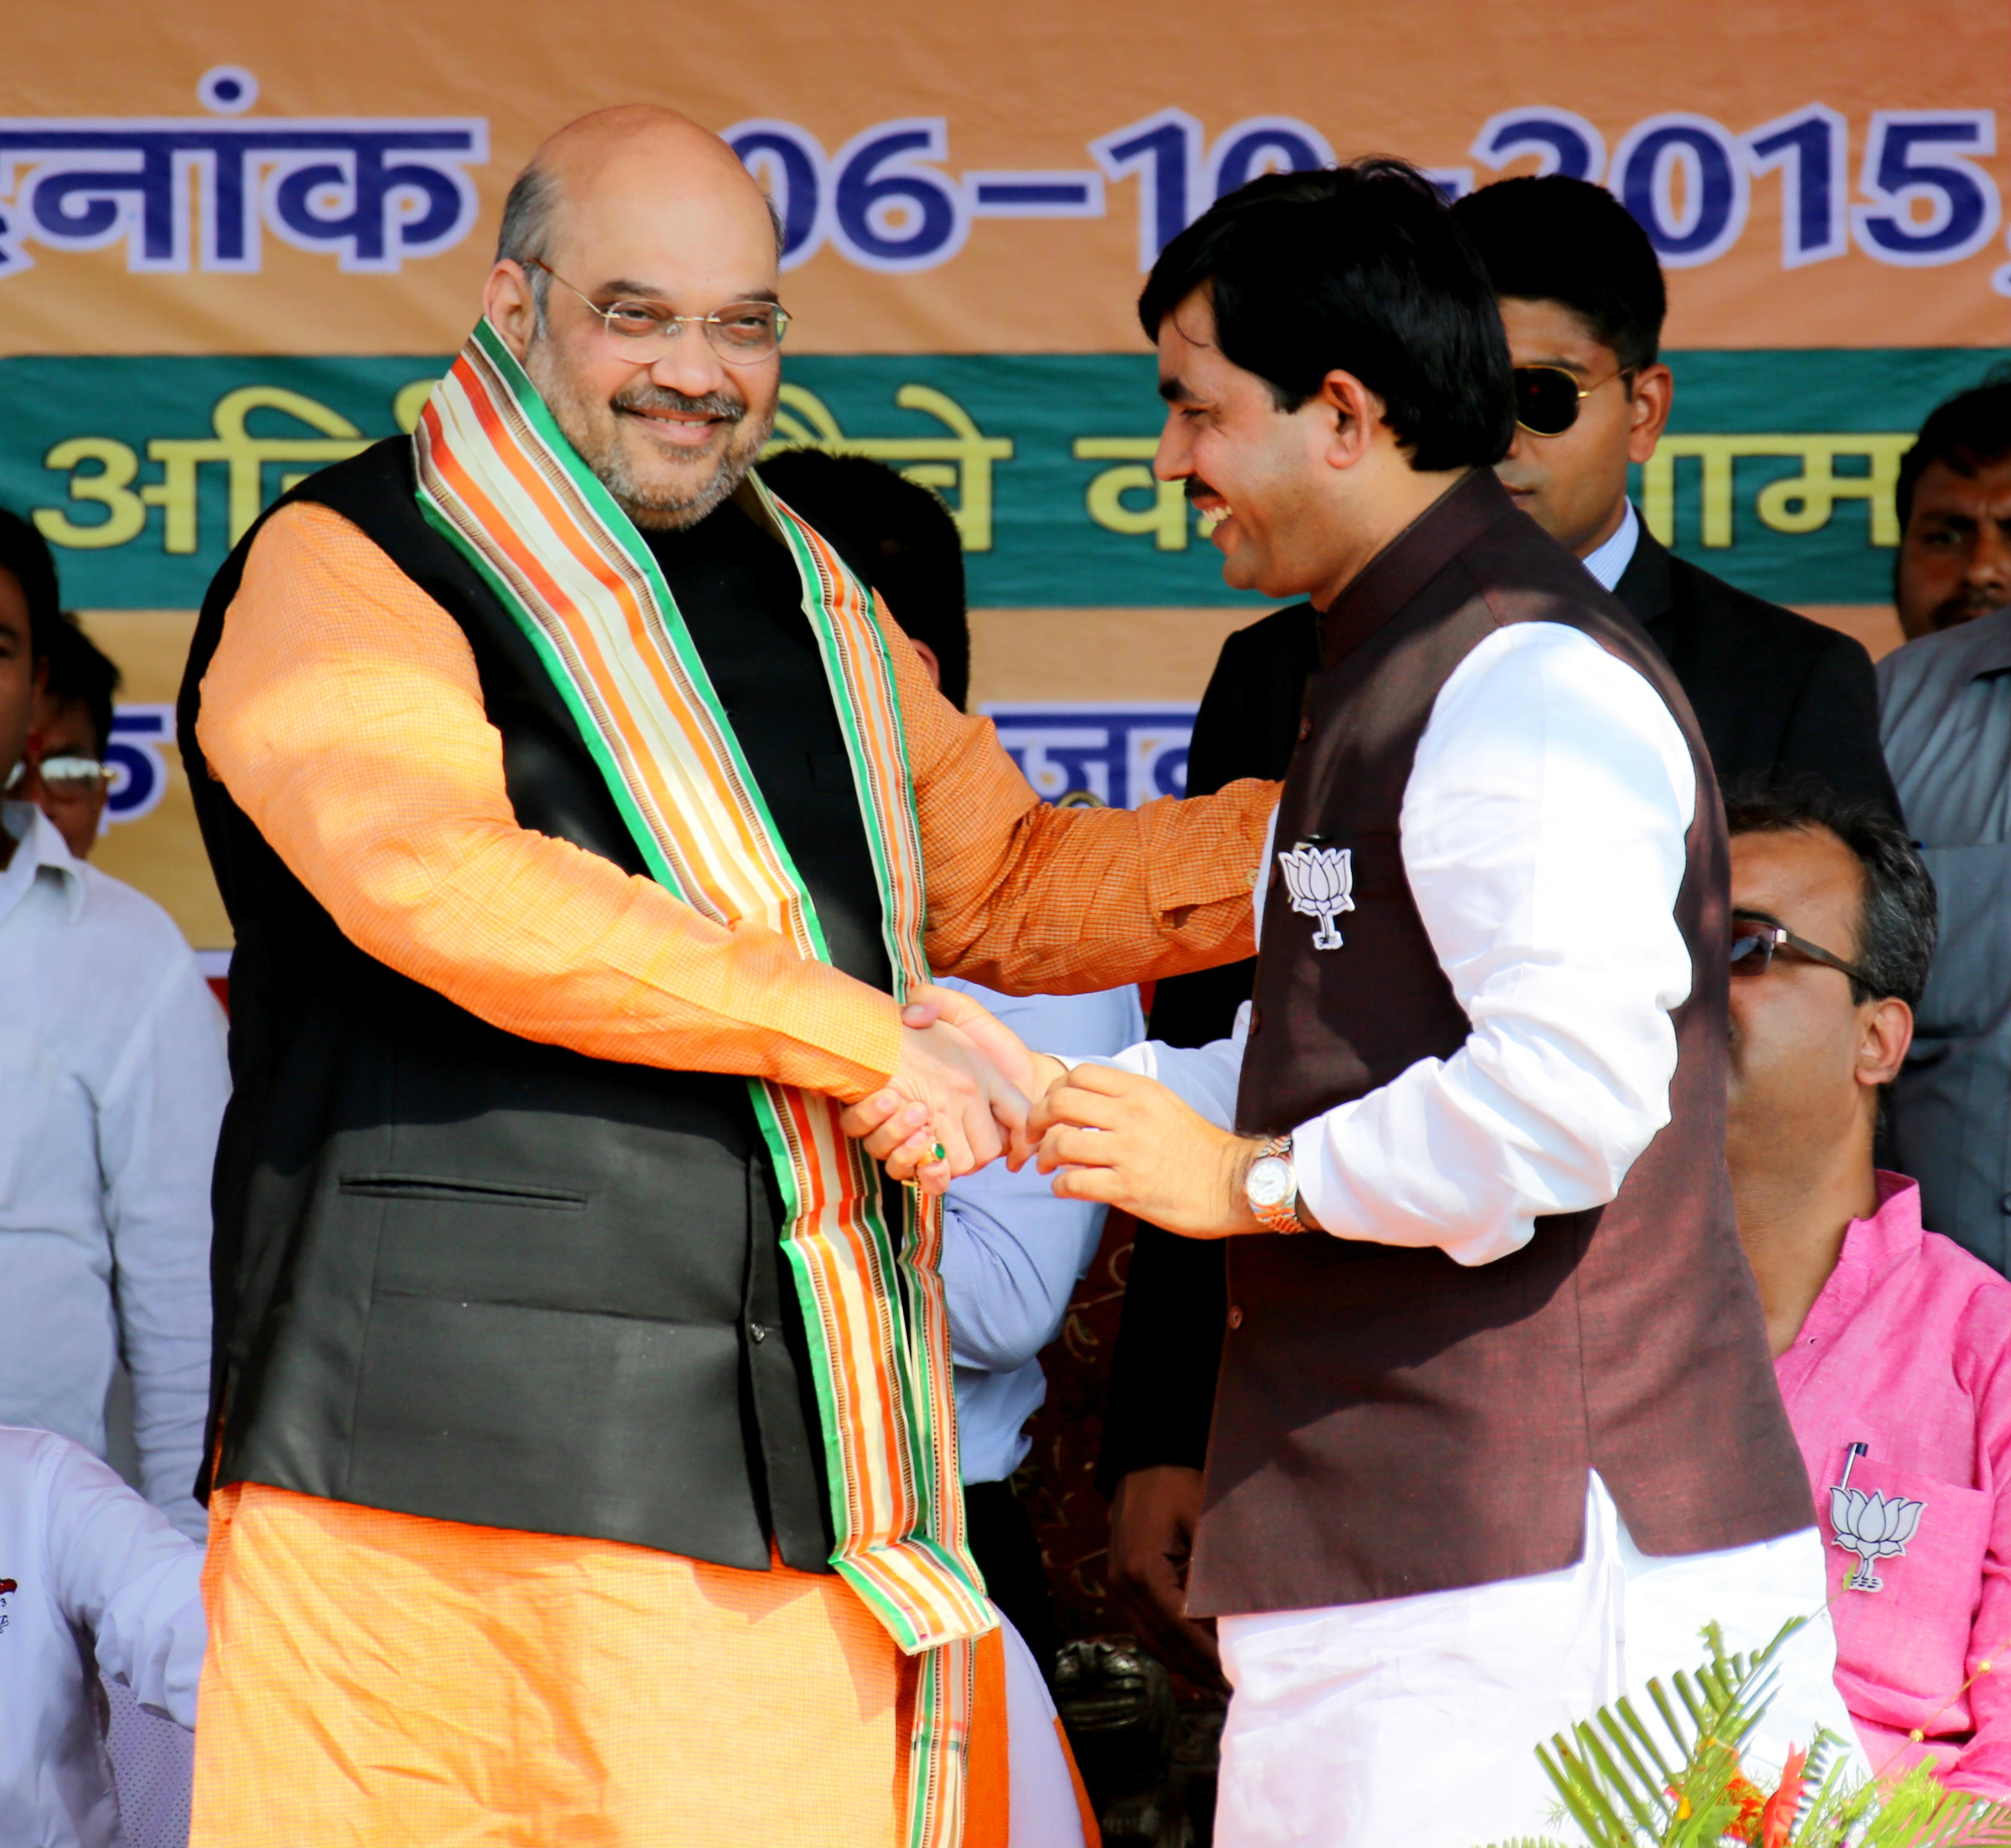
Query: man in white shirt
[[93, 1581], [112, 1084], [1497, 1431]]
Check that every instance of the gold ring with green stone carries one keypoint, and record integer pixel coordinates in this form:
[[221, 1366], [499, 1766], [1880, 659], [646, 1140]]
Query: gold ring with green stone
[[938, 1152]]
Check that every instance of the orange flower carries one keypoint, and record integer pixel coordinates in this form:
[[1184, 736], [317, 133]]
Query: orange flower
[[1752, 1802], [1778, 1817]]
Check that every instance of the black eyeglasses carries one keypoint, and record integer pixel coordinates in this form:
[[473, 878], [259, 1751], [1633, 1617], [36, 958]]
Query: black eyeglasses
[[1547, 397], [1755, 943]]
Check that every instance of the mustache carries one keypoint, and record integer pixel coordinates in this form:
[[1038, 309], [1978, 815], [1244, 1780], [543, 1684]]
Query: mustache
[[643, 396]]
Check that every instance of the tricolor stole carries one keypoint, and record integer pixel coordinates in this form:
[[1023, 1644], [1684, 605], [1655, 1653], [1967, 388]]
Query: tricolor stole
[[496, 476]]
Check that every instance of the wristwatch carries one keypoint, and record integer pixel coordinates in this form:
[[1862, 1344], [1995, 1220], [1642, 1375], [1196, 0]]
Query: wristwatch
[[1271, 1185]]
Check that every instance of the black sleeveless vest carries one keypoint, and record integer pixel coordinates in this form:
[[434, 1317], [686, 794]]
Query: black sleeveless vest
[[1389, 1421], [460, 1274]]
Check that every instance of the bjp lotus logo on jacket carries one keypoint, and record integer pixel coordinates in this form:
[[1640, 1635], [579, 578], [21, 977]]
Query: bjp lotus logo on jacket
[[1874, 1526], [1322, 882]]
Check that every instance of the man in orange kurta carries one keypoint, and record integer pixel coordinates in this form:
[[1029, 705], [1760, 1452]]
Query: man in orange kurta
[[382, 1673]]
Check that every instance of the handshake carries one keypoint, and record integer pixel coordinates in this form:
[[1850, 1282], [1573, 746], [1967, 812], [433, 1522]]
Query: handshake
[[968, 1090]]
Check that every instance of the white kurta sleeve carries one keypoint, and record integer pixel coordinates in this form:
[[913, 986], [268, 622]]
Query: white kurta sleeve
[[1543, 832], [157, 1128], [124, 1577]]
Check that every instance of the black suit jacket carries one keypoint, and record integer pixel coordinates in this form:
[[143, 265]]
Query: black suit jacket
[[1773, 693]]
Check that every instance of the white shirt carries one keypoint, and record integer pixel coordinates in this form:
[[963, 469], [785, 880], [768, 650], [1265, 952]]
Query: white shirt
[[92, 1580], [1608, 563], [1543, 836], [112, 1085], [1013, 1252]]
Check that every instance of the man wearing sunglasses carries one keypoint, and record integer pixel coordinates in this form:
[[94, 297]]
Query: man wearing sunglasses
[[1892, 1345], [1581, 296]]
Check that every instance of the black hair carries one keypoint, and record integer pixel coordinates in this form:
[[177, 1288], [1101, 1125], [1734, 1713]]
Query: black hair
[[1357, 268], [1967, 432], [1549, 238], [25, 556], [1897, 924], [80, 671], [897, 536]]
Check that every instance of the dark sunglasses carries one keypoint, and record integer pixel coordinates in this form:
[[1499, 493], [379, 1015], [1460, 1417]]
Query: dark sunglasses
[[1755, 943], [1547, 397]]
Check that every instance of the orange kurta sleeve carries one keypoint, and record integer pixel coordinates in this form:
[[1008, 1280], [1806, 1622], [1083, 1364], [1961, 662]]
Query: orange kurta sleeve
[[342, 712], [1032, 899]]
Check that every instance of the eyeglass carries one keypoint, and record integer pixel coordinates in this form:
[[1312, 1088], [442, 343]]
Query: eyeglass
[[1547, 397], [741, 333], [1755, 943]]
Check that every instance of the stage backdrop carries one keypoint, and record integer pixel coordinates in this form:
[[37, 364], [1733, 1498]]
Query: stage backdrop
[[237, 241]]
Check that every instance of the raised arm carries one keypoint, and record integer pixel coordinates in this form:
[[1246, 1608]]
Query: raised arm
[[1032, 899], [343, 714]]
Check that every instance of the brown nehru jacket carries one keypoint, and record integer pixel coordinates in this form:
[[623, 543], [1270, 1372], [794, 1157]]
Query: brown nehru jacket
[[1388, 1422]]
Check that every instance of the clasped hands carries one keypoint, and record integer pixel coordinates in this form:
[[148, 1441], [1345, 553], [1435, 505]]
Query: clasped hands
[[968, 1090]]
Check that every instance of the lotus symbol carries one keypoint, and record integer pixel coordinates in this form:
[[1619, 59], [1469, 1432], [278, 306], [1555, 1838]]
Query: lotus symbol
[[1322, 882], [1873, 1529]]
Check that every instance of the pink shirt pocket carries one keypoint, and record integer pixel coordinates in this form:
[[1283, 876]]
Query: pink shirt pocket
[[1901, 1648]]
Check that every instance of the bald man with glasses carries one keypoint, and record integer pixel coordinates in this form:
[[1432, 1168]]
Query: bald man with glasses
[[583, 1456]]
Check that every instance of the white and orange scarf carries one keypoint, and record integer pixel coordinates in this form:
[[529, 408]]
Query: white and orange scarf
[[498, 477]]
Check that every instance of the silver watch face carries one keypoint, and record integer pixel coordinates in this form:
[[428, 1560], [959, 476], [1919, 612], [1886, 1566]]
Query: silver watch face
[[1270, 1181]]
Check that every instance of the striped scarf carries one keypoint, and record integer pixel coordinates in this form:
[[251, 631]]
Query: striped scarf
[[496, 476]]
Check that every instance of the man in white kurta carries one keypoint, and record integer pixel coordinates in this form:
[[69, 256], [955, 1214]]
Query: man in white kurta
[[1337, 389]]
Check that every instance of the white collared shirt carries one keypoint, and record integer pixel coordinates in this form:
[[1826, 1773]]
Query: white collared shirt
[[1543, 834], [1609, 562], [113, 1085], [92, 1581]]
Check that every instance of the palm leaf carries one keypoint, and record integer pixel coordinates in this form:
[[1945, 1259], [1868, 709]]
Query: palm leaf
[[1919, 1813], [1626, 1784], [1625, 1787]]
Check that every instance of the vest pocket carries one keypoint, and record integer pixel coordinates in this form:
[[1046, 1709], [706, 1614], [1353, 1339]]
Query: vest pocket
[[461, 1192]]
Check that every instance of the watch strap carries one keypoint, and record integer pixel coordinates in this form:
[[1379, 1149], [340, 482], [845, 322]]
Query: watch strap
[[1283, 1217]]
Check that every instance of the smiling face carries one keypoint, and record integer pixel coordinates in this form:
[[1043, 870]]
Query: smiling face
[[1955, 558], [1284, 487], [63, 728], [1574, 484], [653, 210]]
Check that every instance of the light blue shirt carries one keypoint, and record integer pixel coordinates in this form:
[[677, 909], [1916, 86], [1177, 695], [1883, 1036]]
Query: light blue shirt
[[1945, 719], [1608, 563], [1013, 1253]]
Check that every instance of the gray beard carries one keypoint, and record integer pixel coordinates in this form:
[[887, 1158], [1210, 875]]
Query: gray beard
[[651, 507], [655, 509]]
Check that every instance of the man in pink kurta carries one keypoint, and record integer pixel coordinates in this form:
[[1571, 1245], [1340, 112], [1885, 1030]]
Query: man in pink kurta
[[1892, 1344]]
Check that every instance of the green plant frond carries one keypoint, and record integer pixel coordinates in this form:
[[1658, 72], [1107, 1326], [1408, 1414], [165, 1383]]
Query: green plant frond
[[1660, 1695], [1624, 1708], [1698, 1710], [1586, 1802], [1639, 1801], [1918, 1812], [1616, 1729]]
